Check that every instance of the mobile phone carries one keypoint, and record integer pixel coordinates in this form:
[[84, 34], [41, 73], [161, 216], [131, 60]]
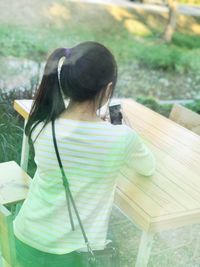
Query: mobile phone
[[115, 114], [114, 111]]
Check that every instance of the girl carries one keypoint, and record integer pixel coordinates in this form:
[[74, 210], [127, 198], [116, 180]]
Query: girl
[[92, 151]]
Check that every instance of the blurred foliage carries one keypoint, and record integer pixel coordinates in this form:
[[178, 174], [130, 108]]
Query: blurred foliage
[[153, 104], [161, 57], [11, 127], [165, 109], [186, 40], [37, 42], [20, 42], [10, 136], [181, 55], [190, 2], [195, 106]]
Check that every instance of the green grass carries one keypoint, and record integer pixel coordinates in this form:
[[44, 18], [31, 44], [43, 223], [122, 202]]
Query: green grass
[[26, 43], [180, 55], [186, 41], [36, 44], [10, 136], [165, 109], [152, 103], [38, 41], [194, 106], [11, 128], [161, 57], [169, 58]]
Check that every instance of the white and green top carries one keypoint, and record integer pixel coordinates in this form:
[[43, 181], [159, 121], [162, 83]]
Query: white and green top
[[92, 154]]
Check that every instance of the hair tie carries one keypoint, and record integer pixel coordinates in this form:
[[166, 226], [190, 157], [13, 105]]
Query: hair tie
[[60, 64], [68, 52]]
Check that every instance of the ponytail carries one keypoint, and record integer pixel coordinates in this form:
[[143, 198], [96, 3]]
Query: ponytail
[[86, 71], [48, 103]]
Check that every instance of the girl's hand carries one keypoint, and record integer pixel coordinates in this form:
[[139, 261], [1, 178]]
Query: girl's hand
[[105, 117]]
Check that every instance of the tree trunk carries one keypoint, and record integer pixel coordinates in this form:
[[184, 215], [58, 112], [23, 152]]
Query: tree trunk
[[171, 25]]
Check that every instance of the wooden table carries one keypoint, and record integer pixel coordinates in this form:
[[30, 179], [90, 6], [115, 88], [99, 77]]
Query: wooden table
[[171, 197]]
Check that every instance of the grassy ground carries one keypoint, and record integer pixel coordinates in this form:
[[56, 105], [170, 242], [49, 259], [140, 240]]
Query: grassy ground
[[128, 33], [146, 66]]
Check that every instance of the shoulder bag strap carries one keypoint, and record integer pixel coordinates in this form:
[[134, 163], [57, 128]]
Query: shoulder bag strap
[[68, 192]]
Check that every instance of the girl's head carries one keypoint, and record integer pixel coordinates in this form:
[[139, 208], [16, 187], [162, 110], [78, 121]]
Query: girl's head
[[86, 72]]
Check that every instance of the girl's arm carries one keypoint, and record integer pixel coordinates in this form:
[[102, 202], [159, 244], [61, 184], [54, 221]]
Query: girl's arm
[[138, 156]]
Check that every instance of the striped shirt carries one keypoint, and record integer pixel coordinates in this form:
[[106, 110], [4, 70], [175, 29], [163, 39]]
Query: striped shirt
[[92, 154]]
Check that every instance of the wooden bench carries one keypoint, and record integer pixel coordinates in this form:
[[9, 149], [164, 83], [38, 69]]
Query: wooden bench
[[185, 117], [14, 185]]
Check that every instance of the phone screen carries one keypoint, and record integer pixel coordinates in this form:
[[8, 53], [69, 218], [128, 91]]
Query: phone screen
[[115, 114]]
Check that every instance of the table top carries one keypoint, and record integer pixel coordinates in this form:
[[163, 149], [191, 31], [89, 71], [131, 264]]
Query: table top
[[171, 197], [14, 183]]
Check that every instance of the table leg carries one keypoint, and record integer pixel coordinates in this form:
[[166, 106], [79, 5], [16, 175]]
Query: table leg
[[25, 151], [144, 250]]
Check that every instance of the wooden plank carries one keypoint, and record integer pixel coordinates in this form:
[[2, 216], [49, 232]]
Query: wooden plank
[[136, 111], [170, 196], [172, 168], [151, 224], [169, 144], [185, 154], [23, 107], [140, 198], [7, 236], [165, 188], [167, 222], [184, 116], [184, 177], [151, 130], [158, 194], [14, 182], [144, 251], [134, 212]]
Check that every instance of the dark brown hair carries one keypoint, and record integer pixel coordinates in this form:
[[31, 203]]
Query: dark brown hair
[[86, 71]]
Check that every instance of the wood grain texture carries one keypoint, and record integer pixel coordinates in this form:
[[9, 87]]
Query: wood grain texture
[[14, 183], [7, 237], [185, 117]]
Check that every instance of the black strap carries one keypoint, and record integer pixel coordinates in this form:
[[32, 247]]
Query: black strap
[[65, 182], [68, 192]]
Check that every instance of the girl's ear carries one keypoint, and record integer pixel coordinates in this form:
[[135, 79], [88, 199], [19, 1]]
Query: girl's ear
[[106, 92], [108, 89]]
